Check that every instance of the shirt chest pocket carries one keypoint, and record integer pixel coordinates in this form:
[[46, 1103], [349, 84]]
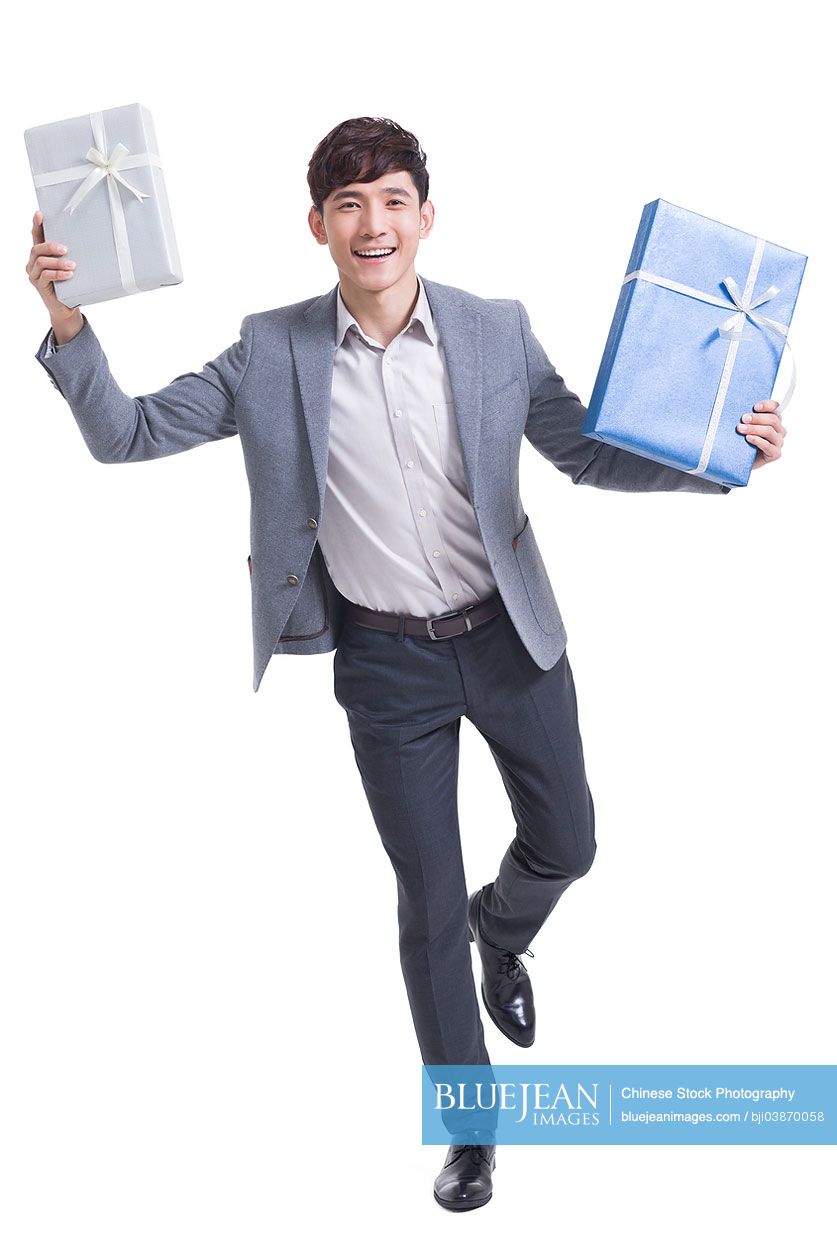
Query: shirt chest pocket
[[447, 439]]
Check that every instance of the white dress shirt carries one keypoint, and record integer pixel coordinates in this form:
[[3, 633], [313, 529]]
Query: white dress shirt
[[398, 531]]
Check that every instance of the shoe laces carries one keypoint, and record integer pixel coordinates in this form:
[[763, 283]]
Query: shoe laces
[[510, 963], [474, 1151]]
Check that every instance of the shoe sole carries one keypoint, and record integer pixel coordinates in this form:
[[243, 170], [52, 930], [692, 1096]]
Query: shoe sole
[[524, 1045], [466, 1206]]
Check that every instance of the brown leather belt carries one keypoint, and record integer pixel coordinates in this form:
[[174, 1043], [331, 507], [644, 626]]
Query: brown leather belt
[[437, 628]]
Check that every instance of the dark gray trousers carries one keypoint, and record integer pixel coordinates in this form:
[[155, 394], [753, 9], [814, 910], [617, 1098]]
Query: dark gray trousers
[[404, 697]]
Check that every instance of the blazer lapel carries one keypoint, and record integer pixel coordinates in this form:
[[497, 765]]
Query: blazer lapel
[[459, 329], [312, 345]]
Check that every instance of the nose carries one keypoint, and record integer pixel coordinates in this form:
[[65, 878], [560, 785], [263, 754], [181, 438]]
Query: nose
[[373, 222]]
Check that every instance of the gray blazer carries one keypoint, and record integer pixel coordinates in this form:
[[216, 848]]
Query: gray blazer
[[273, 389]]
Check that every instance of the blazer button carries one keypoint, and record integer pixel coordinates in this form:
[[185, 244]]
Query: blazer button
[[312, 522], [293, 579]]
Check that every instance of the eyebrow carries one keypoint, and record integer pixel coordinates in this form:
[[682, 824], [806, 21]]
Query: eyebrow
[[401, 191]]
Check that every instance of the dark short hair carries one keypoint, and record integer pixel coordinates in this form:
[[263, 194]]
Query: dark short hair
[[360, 150]]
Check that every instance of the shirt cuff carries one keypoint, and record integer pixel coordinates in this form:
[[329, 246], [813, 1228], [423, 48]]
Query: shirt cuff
[[51, 346]]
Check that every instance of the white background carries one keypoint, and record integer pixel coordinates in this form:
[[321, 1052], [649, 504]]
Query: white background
[[187, 982]]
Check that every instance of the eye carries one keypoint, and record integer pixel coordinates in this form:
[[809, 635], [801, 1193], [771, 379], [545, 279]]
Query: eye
[[350, 204]]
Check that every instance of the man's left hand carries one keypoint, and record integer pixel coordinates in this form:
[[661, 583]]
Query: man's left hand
[[764, 428]]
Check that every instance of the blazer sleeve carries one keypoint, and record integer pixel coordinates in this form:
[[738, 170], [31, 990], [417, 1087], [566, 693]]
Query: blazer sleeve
[[194, 408], [554, 424]]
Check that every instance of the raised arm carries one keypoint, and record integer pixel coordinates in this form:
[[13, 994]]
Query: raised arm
[[194, 408], [554, 424]]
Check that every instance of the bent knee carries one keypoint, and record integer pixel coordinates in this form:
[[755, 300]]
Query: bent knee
[[586, 857], [570, 862]]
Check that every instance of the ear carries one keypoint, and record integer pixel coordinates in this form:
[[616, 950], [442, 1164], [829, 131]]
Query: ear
[[317, 226], [426, 214]]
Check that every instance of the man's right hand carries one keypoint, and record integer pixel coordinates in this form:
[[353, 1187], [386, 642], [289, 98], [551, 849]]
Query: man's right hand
[[48, 264]]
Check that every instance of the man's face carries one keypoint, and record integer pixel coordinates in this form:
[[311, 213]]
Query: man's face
[[364, 217]]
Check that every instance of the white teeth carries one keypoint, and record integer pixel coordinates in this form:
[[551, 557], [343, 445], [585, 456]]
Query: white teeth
[[374, 252]]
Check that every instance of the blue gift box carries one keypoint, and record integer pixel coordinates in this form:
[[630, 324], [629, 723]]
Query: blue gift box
[[696, 340]]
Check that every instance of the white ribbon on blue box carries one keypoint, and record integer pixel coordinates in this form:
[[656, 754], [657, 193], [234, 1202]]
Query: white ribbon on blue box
[[674, 380], [118, 231]]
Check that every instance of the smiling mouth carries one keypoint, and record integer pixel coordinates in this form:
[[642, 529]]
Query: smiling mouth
[[373, 254]]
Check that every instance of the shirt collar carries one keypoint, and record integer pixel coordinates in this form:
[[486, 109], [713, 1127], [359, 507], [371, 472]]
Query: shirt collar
[[421, 315]]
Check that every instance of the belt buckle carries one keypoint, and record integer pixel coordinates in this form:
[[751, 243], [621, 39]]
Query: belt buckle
[[450, 614]]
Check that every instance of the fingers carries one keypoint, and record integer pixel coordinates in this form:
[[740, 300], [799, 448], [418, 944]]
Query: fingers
[[768, 435], [47, 262], [752, 430], [763, 424], [44, 252], [48, 266], [769, 448], [50, 275]]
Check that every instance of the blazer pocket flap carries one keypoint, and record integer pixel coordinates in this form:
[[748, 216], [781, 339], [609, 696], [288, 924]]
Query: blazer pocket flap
[[516, 538]]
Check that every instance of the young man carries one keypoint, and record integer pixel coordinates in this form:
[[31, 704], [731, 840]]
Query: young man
[[381, 426]]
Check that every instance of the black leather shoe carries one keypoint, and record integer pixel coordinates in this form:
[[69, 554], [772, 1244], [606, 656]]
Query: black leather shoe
[[506, 987], [465, 1179]]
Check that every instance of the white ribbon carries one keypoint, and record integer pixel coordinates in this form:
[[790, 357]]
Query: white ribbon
[[107, 168], [733, 329]]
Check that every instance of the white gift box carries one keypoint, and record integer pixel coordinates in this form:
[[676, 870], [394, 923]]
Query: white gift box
[[99, 183]]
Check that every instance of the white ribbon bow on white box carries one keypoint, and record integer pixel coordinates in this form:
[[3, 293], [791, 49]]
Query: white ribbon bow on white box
[[99, 166]]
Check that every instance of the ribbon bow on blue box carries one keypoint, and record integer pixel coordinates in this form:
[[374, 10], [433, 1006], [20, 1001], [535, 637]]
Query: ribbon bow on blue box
[[674, 380]]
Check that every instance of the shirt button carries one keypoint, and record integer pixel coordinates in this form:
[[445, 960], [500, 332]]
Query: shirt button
[[422, 513], [455, 597], [435, 553], [410, 462], [397, 413]]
